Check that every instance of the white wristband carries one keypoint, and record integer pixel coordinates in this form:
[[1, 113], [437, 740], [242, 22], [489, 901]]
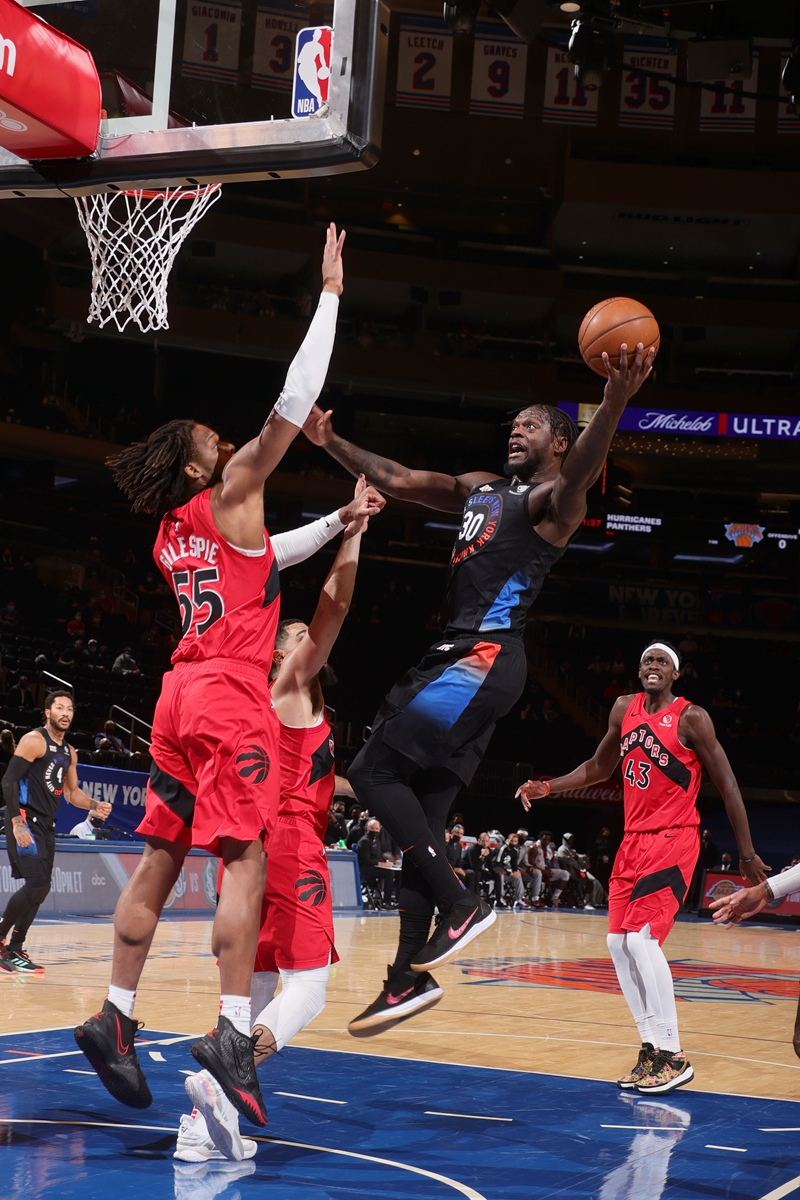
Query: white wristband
[[306, 375], [297, 545]]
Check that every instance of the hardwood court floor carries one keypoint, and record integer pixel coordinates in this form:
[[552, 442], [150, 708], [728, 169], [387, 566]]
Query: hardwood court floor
[[535, 993]]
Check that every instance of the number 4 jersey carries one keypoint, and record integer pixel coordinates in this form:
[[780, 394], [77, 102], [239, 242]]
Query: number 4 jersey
[[661, 777], [229, 598]]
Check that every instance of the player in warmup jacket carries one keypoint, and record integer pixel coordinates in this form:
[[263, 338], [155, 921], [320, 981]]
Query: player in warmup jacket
[[214, 780], [296, 941], [663, 742], [41, 771], [435, 724]]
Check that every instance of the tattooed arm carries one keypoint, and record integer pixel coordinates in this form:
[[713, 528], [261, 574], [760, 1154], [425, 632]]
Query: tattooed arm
[[431, 488], [583, 464]]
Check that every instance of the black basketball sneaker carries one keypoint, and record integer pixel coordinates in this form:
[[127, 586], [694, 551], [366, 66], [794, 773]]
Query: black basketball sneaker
[[107, 1041], [405, 993], [6, 961], [466, 920], [23, 961], [228, 1055]]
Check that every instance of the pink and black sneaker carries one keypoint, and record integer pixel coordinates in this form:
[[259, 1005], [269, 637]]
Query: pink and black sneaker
[[404, 993]]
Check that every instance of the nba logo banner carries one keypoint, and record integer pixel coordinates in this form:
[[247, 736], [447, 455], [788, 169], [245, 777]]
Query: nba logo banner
[[730, 109], [647, 101], [211, 41], [277, 26], [499, 68], [565, 101], [424, 63], [312, 70], [787, 121]]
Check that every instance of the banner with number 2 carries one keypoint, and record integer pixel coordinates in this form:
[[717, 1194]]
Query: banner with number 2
[[424, 63], [565, 101]]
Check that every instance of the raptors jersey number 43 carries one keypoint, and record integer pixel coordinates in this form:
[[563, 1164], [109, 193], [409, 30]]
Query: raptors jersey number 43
[[661, 777]]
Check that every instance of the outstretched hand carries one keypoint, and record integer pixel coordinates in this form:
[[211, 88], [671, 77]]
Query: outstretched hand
[[625, 382], [534, 789], [365, 504], [332, 267], [318, 428], [730, 910]]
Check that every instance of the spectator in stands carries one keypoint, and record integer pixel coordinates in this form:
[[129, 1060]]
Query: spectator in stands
[[506, 867], [725, 863], [109, 740], [7, 747], [337, 825], [9, 614], [687, 646], [603, 857], [542, 856], [103, 603], [372, 865], [480, 860], [126, 664], [21, 696], [574, 864], [598, 666], [455, 854], [71, 655], [77, 626], [618, 665], [92, 657], [357, 830]]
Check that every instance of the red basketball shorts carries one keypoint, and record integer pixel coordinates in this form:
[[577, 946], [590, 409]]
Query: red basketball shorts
[[215, 771], [651, 875], [297, 918]]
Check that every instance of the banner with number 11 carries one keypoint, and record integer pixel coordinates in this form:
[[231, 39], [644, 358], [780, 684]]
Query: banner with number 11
[[565, 101]]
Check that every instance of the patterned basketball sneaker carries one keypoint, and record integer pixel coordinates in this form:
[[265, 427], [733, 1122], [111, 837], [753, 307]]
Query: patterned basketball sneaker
[[643, 1064], [466, 920], [405, 993], [228, 1055], [7, 964], [23, 962], [195, 1146], [216, 1114], [107, 1041], [668, 1071]]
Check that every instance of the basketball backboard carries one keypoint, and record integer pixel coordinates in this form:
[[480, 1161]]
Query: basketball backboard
[[197, 92]]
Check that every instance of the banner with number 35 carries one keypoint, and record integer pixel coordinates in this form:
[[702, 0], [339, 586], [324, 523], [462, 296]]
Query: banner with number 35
[[647, 101]]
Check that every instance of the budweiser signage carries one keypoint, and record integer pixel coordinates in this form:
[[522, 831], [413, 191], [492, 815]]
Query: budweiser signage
[[609, 792], [705, 424]]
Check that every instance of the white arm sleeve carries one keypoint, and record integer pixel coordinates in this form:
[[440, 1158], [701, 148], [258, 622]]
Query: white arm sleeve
[[308, 369], [297, 545], [785, 883]]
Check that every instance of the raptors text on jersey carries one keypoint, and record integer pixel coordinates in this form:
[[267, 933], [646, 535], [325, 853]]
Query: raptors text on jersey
[[660, 776]]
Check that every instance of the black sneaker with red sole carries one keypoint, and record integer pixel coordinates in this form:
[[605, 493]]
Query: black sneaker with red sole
[[228, 1055], [466, 920], [107, 1041], [404, 994], [23, 961], [7, 963]]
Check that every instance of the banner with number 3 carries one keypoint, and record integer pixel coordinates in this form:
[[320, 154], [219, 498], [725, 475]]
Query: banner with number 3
[[647, 101], [565, 101], [499, 68]]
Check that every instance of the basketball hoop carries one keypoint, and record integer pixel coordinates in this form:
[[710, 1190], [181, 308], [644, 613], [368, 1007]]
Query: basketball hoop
[[134, 237]]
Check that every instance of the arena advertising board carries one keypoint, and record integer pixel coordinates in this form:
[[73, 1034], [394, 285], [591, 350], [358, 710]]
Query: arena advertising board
[[126, 790], [720, 883], [684, 423]]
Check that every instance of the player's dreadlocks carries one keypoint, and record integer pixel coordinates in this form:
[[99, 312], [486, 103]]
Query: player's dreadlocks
[[151, 473], [561, 425]]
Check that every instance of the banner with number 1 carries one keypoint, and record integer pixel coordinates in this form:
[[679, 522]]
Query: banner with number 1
[[647, 101], [721, 108], [499, 68], [211, 41], [565, 101]]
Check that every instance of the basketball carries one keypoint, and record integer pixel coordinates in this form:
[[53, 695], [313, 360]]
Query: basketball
[[612, 322]]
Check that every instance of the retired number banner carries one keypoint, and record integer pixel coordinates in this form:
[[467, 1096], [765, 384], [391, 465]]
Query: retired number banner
[[647, 102], [721, 109], [273, 53], [211, 41], [424, 63], [499, 69], [565, 102], [787, 121]]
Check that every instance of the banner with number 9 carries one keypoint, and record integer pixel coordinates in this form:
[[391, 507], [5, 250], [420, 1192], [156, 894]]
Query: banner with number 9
[[499, 68]]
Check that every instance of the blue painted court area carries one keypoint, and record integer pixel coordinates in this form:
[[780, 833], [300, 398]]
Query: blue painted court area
[[360, 1126]]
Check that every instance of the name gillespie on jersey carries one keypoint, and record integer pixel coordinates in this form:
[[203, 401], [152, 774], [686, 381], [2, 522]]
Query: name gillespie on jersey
[[198, 547]]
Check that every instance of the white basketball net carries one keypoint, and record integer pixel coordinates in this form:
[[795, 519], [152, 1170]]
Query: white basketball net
[[134, 237]]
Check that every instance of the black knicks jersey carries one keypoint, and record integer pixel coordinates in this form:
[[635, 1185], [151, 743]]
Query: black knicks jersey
[[42, 787], [499, 562]]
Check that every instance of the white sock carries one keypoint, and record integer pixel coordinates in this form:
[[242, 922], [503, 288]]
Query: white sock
[[659, 989], [301, 998], [237, 1010], [632, 987], [262, 989], [122, 999]]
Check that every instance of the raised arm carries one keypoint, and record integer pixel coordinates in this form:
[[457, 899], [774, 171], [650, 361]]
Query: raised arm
[[296, 545], [697, 728], [594, 770], [244, 474], [431, 488], [584, 463]]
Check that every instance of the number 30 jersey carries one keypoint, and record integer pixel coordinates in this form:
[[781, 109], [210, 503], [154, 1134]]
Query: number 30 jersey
[[499, 562], [229, 598], [660, 776]]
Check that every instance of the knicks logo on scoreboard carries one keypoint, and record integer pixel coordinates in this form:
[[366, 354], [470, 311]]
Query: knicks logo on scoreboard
[[312, 70], [744, 535]]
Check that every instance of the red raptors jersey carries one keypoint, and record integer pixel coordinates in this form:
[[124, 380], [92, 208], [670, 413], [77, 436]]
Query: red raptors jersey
[[307, 773], [661, 777], [229, 598]]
